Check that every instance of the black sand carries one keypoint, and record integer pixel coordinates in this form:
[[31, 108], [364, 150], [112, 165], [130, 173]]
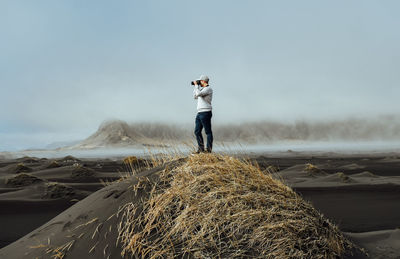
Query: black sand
[[363, 199]]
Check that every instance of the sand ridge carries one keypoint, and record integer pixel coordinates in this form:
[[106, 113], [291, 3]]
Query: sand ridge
[[366, 204]]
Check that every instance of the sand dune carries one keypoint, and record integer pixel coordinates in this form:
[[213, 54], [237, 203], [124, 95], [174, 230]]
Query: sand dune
[[362, 198], [29, 198], [352, 166], [383, 244], [90, 228], [302, 176]]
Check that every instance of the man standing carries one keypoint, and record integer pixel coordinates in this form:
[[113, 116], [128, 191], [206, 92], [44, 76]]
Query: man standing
[[203, 93]]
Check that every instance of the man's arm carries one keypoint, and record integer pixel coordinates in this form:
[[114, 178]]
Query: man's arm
[[203, 92], [195, 88]]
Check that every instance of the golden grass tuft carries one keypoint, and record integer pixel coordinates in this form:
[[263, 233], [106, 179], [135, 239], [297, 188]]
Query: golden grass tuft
[[56, 190], [130, 160], [313, 170], [217, 206], [22, 168], [53, 164], [134, 164], [22, 179], [345, 178], [80, 171]]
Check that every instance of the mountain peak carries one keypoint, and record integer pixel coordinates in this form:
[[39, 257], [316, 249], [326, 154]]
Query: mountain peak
[[113, 133]]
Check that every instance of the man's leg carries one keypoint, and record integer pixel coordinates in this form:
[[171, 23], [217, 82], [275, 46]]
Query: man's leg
[[206, 120], [197, 131]]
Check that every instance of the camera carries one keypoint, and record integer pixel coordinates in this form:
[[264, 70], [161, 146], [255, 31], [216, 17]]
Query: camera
[[198, 82]]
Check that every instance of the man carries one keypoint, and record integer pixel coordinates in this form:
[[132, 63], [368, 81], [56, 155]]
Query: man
[[203, 93]]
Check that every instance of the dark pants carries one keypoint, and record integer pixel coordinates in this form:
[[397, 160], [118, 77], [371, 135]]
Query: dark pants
[[203, 120]]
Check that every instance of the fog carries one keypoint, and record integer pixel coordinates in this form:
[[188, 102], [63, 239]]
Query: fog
[[383, 128], [351, 132], [352, 129], [280, 70]]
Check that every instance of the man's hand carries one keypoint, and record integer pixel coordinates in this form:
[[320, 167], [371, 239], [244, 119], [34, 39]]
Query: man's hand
[[195, 82]]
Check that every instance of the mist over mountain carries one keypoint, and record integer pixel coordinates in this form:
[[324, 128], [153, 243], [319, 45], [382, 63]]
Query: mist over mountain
[[117, 133], [352, 129]]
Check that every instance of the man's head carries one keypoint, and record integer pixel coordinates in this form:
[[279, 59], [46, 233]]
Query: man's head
[[204, 80]]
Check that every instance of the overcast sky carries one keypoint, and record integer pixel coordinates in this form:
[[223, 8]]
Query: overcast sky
[[66, 66]]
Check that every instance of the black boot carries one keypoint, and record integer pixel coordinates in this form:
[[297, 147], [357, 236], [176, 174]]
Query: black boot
[[198, 151]]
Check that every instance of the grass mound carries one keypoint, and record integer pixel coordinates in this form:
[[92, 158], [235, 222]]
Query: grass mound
[[216, 206], [81, 171], [313, 170], [58, 191], [23, 179], [345, 178], [29, 160], [53, 164], [21, 168]]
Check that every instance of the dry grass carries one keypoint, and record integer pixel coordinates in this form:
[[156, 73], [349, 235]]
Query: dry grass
[[345, 178], [22, 168], [134, 165], [313, 170], [80, 171], [217, 206], [23, 179], [53, 164], [56, 190], [61, 251]]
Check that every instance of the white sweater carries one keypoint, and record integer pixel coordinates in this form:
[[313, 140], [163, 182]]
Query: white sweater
[[204, 98]]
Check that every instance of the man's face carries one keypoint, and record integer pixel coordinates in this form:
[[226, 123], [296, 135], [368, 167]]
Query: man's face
[[203, 83]]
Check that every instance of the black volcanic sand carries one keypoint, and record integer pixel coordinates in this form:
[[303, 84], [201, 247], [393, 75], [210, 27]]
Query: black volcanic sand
[[33, 190], [359, 193], [89, 225]]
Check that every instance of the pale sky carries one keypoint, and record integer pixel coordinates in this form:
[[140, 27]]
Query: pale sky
[[66, 66]]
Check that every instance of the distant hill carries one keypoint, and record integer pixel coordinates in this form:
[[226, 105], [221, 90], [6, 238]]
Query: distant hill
[[117, 133]]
